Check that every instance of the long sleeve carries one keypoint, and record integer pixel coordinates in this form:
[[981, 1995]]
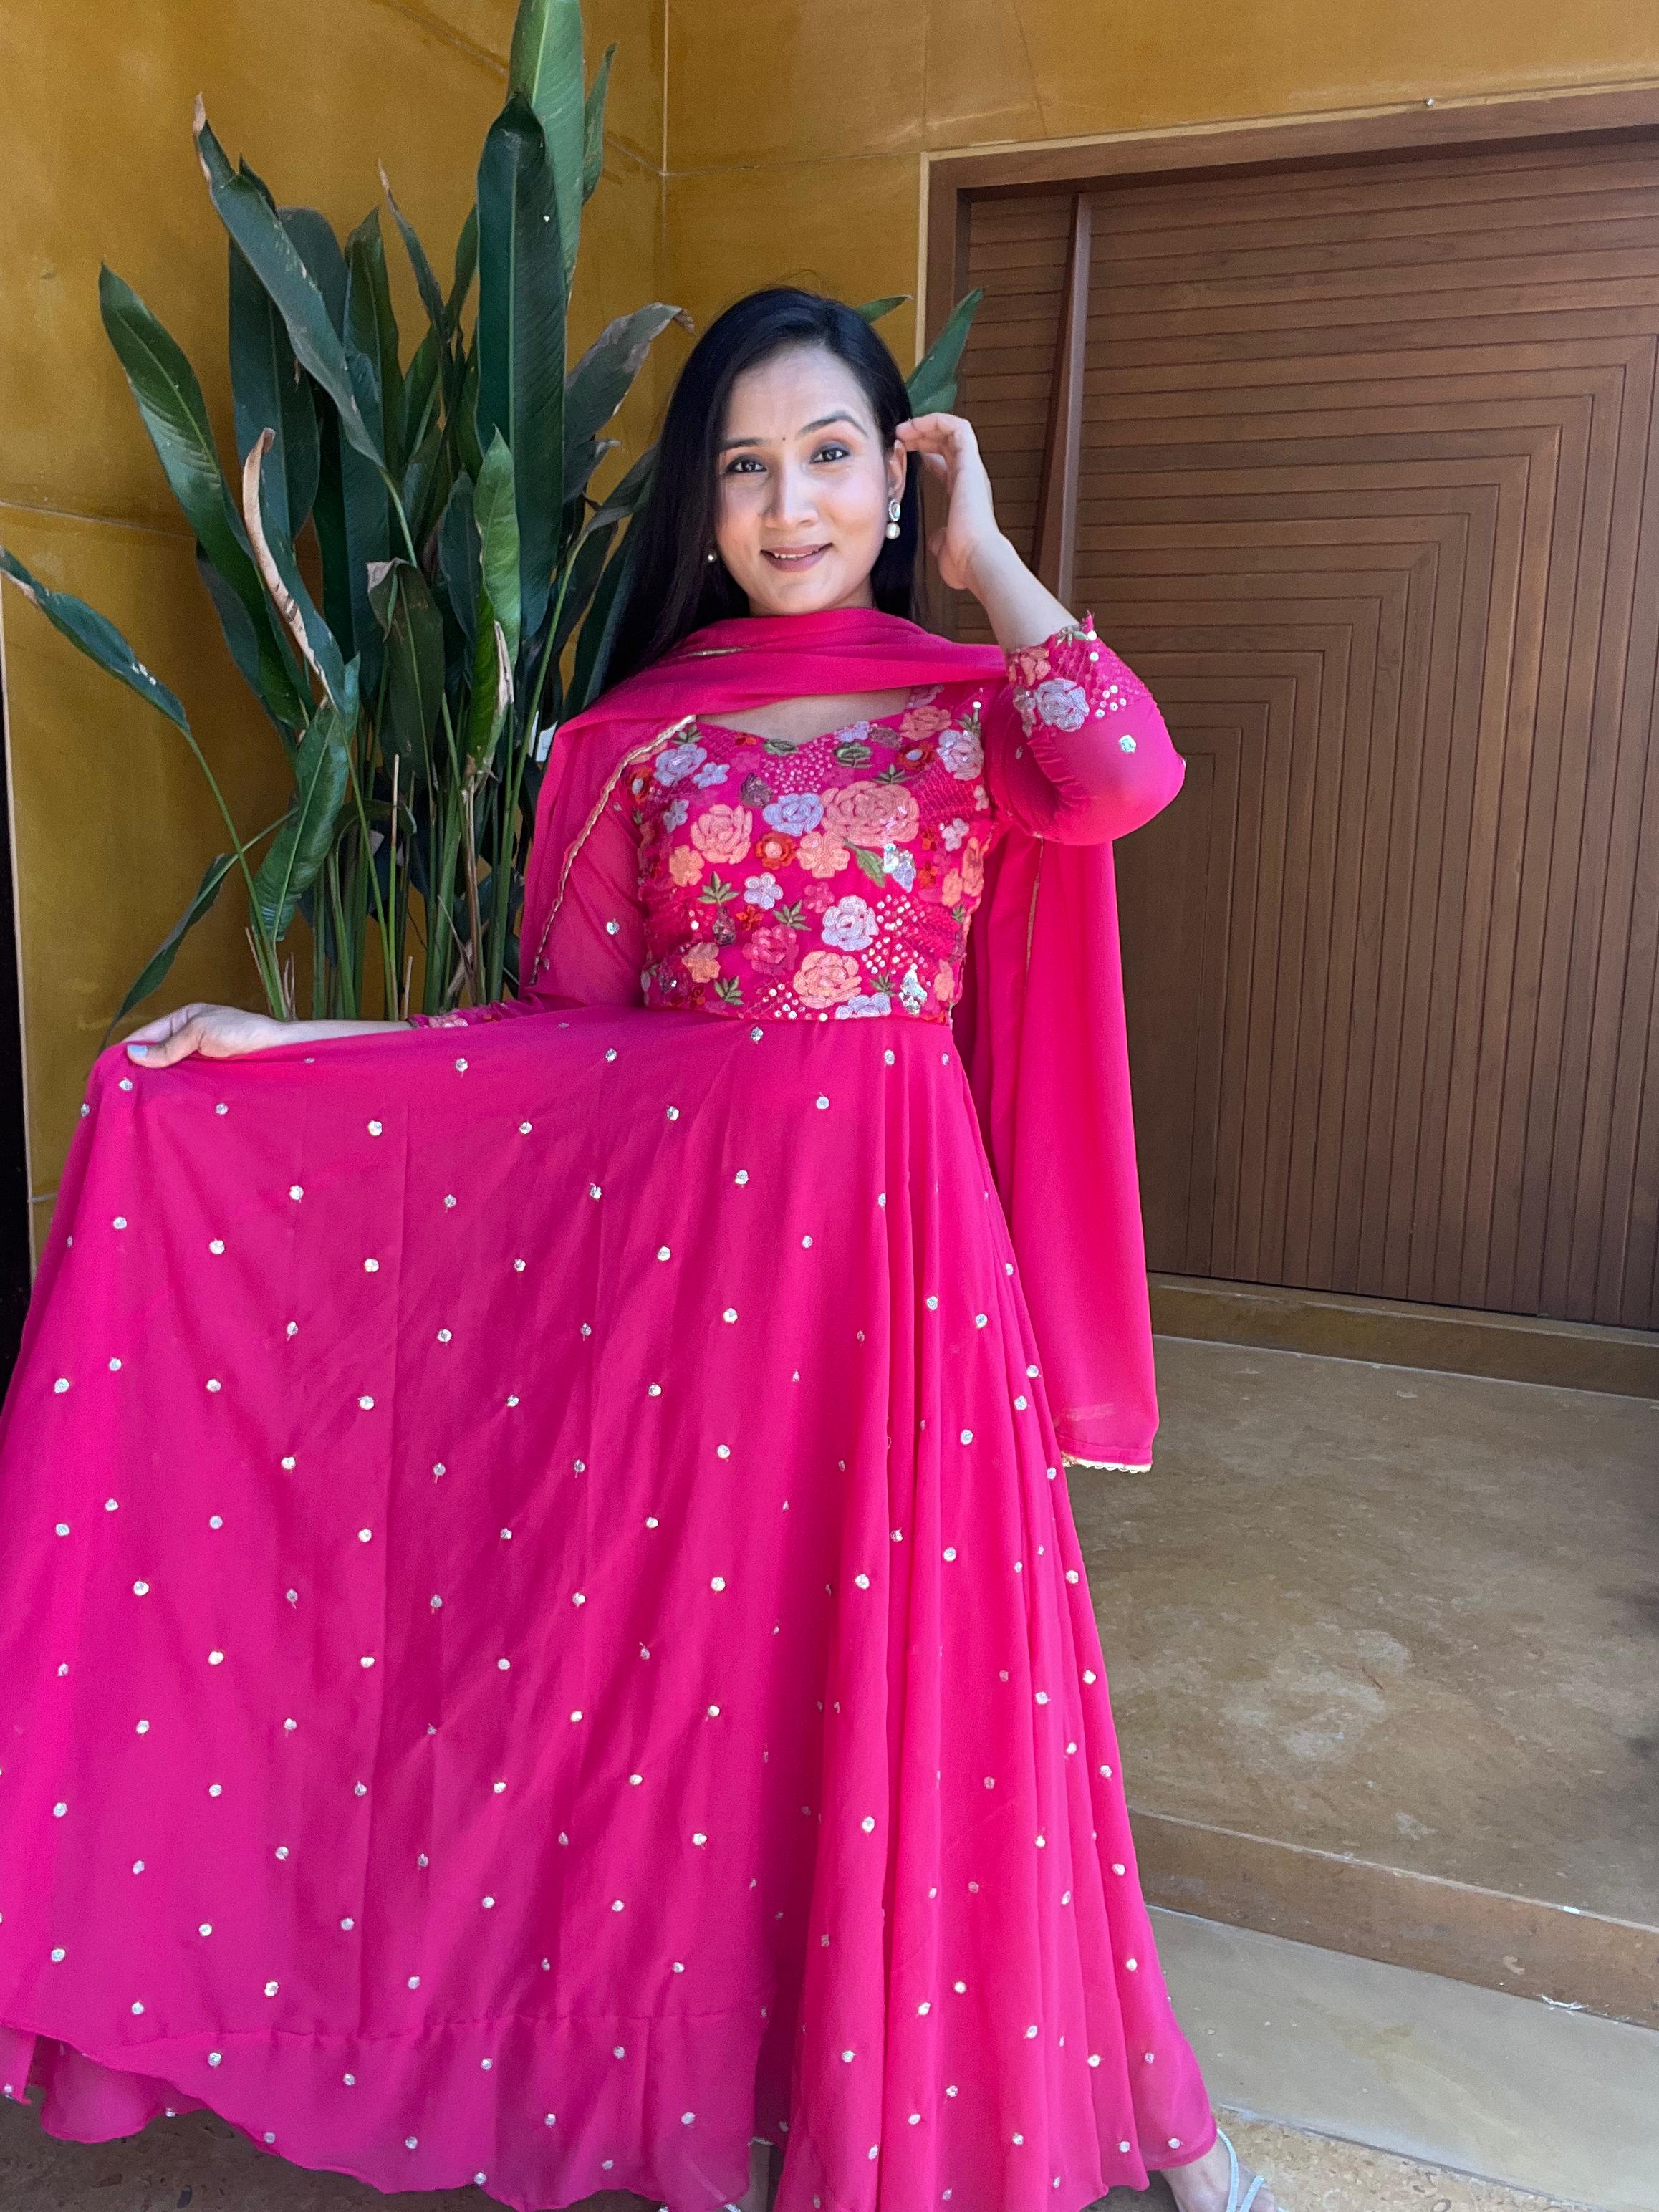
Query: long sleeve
[[1075, 747], [596, 948]]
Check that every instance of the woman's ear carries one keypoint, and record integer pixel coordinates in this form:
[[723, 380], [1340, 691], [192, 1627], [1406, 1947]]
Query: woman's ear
[[898, 469]]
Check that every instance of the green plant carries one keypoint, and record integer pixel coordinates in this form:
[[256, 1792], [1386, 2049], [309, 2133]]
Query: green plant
[[469, 577]]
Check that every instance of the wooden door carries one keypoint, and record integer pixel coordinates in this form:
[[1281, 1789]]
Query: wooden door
[[1369, 495]]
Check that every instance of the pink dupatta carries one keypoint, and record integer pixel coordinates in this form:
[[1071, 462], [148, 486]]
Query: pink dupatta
[[1040, 1025]]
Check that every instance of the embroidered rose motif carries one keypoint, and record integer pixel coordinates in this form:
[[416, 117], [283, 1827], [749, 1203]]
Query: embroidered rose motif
[[950, 890], [875, 814], [961, 751], [721, 834], [973, 872], [850, 923], [674, 814], [825, 979], [922, 722], [702, 962], [685, 865], [795, 813], [952, 833], [677, 762], [868, 1004], [710, 774], [762, 890], [773, 850], [821, 854], [1063, 703], [944, 981], [816, 898], [772, 948]]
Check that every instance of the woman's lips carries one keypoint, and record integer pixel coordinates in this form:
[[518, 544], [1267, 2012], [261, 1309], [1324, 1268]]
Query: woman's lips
[[794, 556]]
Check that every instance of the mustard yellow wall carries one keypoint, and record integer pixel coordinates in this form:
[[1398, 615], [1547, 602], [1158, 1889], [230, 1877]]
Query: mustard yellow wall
[[113, 824], [748, 140], [796, 130]]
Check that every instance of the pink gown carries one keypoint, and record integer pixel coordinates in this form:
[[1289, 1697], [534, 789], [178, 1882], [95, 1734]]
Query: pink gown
[[542, 1633]]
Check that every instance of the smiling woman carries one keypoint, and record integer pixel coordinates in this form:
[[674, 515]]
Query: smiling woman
[[605, 1448]]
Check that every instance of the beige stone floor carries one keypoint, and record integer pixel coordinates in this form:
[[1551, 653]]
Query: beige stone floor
[[199, 2162], [1413, 1617]]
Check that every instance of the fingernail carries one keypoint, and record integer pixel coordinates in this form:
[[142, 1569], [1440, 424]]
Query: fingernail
[[137, 1050]]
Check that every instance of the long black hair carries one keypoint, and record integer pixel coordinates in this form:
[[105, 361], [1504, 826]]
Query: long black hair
[[673, 588]]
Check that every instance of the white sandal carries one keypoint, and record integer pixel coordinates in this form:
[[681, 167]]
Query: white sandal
[[1235, 2201]]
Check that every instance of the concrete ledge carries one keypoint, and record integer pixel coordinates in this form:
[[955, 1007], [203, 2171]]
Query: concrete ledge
[[1521, 1946], [1456, 1340], [1536, 2097]]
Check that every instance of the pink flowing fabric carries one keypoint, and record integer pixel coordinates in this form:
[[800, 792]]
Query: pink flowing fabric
[[1042, 1024], [542, 1634]]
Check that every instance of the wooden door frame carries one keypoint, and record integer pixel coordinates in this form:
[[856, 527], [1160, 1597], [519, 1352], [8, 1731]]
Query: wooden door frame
[[952, 181], [1574, 1355]]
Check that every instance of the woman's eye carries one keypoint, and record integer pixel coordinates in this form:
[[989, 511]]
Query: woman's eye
[[744, 462], [833, 450]]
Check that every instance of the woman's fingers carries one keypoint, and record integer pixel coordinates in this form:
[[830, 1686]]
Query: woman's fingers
[[164, 1026], [177, 1043]]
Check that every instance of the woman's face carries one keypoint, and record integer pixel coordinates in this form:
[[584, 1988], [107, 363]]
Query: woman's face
[[803, 482]]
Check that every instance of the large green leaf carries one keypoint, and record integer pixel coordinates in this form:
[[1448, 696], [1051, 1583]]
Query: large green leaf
[[492, 688], [587, 565], [427, 480], [414, 632], [277, 261], [466, 268], [372, 334], [466, 417], [247, 644], [319, 249], [421, 410], [496, 505], [593, 123], [545, 69], [322, 775], [97, 637], [459, 562], [627, 494], [271, 393], [426, 281], [599, 632], [603, 379], [933, 382], [154, 969], [170, 400], [521, 317]]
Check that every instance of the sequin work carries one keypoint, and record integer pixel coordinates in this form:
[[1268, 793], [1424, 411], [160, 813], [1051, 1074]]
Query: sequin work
[[614, 1676]]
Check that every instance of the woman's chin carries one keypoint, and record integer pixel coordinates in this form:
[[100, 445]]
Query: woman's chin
[[814, 591]]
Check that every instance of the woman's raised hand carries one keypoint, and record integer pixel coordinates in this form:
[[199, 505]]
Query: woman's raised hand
[[949, 451], [216, 1032]]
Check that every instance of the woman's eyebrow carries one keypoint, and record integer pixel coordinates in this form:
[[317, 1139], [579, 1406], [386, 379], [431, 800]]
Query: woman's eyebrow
[[821, 422]]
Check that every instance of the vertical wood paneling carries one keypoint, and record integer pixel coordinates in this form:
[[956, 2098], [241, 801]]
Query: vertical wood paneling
[[1369, 494]]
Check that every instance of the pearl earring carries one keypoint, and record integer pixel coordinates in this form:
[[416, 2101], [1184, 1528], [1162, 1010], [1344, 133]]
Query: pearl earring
[[713, 554], [892, 517]]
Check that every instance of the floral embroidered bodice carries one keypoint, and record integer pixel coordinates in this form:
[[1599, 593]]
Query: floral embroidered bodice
[[835, 877]]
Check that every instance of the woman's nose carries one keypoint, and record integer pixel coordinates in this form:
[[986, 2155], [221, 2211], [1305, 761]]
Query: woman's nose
[[792, 501]]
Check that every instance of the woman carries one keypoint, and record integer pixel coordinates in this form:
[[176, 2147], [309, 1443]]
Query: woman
[[543, 1642]]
